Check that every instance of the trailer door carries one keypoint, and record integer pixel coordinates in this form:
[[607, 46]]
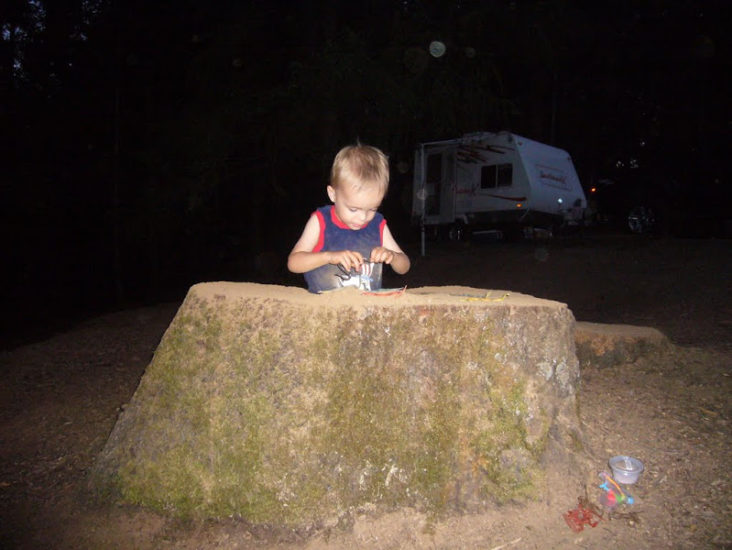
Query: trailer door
[[434, 185]]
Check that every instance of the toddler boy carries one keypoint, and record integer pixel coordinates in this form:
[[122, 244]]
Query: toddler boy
[[345, 243]]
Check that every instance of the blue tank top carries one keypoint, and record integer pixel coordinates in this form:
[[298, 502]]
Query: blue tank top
[[335, 235]]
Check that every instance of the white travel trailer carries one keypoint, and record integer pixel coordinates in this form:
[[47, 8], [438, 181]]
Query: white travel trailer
[[491, 180]]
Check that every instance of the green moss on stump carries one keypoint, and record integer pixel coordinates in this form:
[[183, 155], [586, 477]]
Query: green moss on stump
[[257, 408]]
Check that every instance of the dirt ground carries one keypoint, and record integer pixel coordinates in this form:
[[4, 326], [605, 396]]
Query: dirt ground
[[59, 399]]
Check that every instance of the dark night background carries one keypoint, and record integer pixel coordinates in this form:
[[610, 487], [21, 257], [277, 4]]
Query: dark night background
[[151, 145]]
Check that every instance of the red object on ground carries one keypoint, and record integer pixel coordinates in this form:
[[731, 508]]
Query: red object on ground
[[581, 516]]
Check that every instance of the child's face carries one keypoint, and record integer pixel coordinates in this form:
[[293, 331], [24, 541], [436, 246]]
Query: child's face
[[356, 207]]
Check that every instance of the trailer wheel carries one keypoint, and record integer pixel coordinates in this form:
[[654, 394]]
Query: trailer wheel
[[458, 232]]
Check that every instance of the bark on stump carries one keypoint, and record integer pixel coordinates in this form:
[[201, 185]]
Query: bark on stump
[[288, 408]]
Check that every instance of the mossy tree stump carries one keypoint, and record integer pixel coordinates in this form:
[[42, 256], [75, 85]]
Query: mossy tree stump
[[289, 408]]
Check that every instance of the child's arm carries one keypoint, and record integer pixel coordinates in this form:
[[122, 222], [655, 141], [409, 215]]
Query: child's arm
[[302, 258], [391, 254]]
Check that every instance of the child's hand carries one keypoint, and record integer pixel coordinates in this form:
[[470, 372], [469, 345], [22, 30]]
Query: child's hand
[[347, 258], [381, 255]]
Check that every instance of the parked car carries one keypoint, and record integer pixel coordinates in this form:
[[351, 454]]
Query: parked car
[[692, 209], [623, 206]]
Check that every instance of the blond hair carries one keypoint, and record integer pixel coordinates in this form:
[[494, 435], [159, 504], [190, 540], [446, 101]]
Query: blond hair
[[360, 166]]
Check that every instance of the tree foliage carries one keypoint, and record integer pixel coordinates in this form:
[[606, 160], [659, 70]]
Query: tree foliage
[[193, 139]]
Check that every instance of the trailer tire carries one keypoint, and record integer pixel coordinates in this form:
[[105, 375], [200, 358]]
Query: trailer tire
[[458, 232]]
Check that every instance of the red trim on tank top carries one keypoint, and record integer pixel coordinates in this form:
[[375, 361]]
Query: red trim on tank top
[[382, 225], [321, 237], [336, 220]]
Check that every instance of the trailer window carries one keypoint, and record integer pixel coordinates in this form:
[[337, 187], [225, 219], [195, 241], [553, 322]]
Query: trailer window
[[496, 175], [434, 168]]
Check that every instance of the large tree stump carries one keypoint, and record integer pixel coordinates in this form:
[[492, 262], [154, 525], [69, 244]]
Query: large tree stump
[[289, 408]]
